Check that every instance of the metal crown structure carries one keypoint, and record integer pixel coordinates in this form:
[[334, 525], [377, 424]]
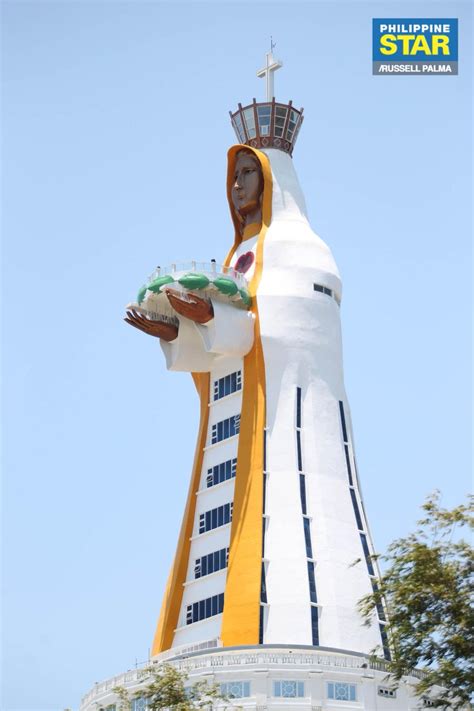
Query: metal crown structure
[[269, 124]]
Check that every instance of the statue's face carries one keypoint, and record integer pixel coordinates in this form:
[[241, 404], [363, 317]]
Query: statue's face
[[247, 184]]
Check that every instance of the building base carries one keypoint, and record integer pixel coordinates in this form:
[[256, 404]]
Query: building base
[[277, 678]]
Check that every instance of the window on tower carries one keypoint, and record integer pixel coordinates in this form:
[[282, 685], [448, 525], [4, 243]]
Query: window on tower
[[204, 608], [280, 118], [322, 289], [312, 582], [348, 464], [227, 385], [214, 518], [249, 118], [356, 510], [225, 429], [236, 689], [380, 610], [314, 625], [365, 547], [307, 537], [385, 644], [211, 562], [221, 472], [303, 494], [340, 691], [291, 125], [343, 421], [238, 126], [288, 689], [139, 704]]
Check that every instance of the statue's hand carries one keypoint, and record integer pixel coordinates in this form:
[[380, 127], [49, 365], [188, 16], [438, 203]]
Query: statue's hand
[[194, 308], [159, 329]]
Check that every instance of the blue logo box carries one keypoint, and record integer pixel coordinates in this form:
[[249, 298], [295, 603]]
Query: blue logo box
[[415, 40]]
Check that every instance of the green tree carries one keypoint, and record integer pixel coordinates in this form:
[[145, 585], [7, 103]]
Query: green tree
[[427, 591], [163, 687]]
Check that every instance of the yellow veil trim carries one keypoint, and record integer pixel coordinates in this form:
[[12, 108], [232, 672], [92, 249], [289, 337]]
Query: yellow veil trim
[[240, 624]]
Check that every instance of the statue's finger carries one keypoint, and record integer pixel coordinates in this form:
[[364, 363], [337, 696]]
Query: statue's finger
[[132, 323]]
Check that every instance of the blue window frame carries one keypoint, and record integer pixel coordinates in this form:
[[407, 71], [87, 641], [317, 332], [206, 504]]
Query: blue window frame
[[261, 624], [315, 625], [204, 608], [348, 464], [225, 429], [307, 537], [214, 518], [235, 689], [288, 689], [379, 606], [298, 450], [211, 562], [340, 691], [227, 385], [263, 586], [139, 704], [298, 408], [356, 510], [303, 494], [221, 472], [385, 645], [343, 421], [312, 582], [370, 567]]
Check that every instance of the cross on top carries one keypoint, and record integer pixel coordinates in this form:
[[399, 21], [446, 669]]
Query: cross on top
[[267, 72]]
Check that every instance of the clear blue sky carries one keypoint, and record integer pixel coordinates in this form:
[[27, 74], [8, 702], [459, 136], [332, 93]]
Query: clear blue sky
[[115, 130]]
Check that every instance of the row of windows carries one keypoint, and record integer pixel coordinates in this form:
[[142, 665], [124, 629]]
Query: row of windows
[[322, 289], [306, 525], [215, 518], [355, 505], [264, 122], [225, 429], [283, 688], [227, 385], [210, 563], [387, 692], [221, 472], [360, 526], [204, 608]]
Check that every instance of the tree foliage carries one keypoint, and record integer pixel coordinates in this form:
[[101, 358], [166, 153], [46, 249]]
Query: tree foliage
[[163, 687], [427, 591]]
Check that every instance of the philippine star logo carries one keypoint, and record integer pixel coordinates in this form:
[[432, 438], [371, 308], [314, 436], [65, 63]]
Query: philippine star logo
[[414, 46]]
